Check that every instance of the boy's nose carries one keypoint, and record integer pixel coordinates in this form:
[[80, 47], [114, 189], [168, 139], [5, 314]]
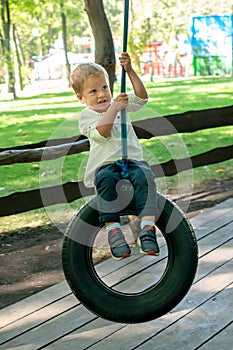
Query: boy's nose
[[101, 94]]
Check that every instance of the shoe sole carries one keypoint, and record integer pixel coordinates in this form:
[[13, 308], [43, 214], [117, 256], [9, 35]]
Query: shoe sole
[[121, 257], [150, 252]]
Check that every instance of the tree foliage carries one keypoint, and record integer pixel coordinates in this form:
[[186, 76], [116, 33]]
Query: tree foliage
[[33, 26]]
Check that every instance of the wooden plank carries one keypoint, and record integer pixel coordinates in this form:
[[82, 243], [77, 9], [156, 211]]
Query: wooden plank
[[215, 239], [189, 332], [44, 153], [221, 340], [39, 316], [34, 319], [216, 211], [213, 218], [135, 269], [96, 331], [183, 122], [214, 259], [175, 166], [130, 336], [208, 242], [129, 269], [148, 277], [158, 126], [87, 336], [169, 168], [47, 143], [19, 202], [135, 282], [210, 261], [51, 329], [34, 303], [191, 302]]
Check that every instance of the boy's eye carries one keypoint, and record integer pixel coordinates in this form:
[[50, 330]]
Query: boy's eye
[[92, 92], [105, 87]]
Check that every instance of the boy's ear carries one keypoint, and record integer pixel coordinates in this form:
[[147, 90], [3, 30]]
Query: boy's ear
[[80, 98]]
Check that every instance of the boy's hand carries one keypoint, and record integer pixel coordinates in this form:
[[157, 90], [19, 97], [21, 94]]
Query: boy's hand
[[125, 62], [105, 124], [121, 101]]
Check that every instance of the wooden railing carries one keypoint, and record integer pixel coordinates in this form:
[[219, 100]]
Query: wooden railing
[[46, 150]]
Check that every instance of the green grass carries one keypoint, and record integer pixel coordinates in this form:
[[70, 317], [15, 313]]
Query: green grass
[[35, 119], [194, 94], [55, 115]]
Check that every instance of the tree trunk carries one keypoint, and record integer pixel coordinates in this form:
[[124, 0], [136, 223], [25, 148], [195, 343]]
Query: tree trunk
[[19, 61], [64, 36], [104, 48], [6, 23]]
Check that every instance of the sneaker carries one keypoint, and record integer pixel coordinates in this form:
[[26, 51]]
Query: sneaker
[[147, 241], [118, 245]]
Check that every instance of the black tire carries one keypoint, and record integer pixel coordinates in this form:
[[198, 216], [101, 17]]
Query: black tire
[[144, 306]]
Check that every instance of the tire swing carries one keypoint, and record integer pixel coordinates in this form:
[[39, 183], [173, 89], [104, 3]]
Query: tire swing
[[108, 302], [110, 296]]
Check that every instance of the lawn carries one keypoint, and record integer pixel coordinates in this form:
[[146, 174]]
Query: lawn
[[51, 115]]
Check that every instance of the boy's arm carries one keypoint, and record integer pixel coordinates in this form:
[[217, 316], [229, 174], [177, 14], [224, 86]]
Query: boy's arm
[[138, 86]]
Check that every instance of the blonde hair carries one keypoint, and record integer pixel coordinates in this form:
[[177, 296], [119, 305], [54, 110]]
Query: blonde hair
[[82, 72]]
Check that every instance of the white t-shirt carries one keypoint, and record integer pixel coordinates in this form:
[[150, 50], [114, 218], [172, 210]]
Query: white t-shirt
[[107, 150]]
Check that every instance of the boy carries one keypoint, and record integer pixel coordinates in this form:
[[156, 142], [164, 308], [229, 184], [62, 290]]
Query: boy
[[101, 123]]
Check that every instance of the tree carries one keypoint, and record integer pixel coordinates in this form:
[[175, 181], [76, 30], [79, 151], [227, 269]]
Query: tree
[[19, 55], [167, 20], [104, 48], [6, 46], [64, 36]]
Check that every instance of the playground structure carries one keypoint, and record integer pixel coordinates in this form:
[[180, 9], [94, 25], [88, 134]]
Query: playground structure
[[160, 60], [208, 51], [211, 42]]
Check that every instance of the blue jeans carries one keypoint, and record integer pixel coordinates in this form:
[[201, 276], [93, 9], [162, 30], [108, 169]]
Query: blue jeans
[[108, 183]]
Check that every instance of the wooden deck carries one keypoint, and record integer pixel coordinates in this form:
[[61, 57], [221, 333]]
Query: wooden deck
[[54, 319]]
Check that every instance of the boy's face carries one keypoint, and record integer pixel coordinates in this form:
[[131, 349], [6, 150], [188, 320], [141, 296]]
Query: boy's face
[[96, 93]]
